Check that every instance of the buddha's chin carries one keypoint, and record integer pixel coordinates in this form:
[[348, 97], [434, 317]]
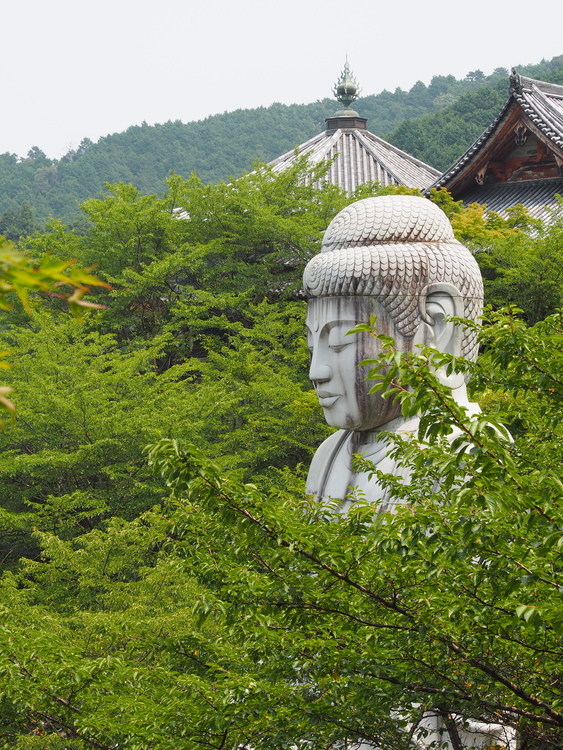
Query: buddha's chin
[[342, 421], [360, 415]]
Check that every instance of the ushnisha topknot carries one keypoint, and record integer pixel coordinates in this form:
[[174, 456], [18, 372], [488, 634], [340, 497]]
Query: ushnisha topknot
[[391, 248], [387, 219]]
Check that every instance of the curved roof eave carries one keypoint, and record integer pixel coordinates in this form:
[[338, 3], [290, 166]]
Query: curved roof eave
[[465, 159], [540, 102]]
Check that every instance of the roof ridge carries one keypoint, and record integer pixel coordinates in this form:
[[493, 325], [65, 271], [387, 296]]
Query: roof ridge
[[533, 97], [520, 83], [369, 157]]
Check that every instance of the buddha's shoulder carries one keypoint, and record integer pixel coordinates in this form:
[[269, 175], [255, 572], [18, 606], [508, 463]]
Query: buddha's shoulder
[[323, 458]]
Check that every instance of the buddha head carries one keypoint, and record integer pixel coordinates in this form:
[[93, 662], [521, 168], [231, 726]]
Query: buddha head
[[394, 257]]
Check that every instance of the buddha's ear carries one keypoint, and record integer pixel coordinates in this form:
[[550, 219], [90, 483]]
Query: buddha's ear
[[437, 304]]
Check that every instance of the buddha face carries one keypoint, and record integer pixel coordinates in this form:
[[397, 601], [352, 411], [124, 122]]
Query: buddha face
[[339, 382]]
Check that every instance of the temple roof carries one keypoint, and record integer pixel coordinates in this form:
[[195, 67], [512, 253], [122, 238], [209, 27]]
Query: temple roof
[[497, 169], [359, 156]]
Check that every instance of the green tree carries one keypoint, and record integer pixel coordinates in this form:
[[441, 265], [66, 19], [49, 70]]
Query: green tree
[[180, 348], [519, 256], [20, 222], [86, 407], [199, 253], [72, 456], [527, 270], [20, 276], [248, 618], [239, 613]]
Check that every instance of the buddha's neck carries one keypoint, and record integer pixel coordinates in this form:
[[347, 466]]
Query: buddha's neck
[[366, 441], [362, 441]]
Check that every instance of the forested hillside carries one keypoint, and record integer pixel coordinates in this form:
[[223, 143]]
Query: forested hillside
[[453, 113], [440, 138]]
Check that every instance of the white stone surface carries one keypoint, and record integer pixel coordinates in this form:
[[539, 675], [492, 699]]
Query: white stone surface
[[393, 257]]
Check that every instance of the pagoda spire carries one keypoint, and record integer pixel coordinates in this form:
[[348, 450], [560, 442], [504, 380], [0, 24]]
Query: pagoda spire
[[346, 91]]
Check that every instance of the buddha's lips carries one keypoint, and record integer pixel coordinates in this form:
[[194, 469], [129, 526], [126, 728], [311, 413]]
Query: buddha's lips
[[326, 398]]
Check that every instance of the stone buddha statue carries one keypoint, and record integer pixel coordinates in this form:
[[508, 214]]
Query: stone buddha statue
[[394, 257]]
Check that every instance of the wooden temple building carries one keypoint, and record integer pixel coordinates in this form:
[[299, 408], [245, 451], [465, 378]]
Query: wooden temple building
[[358, 155], [519, 157]]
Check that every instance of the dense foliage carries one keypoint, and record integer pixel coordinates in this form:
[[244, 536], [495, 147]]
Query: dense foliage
[[240, 617], [201, 337], [452, 605], [435, 123], [234, 612]]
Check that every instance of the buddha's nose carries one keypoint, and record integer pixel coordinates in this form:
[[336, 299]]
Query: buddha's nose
[[319, 371]]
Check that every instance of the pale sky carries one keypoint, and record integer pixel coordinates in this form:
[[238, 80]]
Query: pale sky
[[72, 69]]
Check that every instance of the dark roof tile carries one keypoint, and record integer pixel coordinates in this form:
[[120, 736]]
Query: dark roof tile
[[537, 195], [359, 157]]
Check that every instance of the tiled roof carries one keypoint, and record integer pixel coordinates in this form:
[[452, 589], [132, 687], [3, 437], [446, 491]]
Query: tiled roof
[[542, 102], [361, 157], [537, 195]]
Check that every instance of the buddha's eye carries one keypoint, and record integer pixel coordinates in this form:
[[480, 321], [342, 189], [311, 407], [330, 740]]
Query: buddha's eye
[[339, 346]]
